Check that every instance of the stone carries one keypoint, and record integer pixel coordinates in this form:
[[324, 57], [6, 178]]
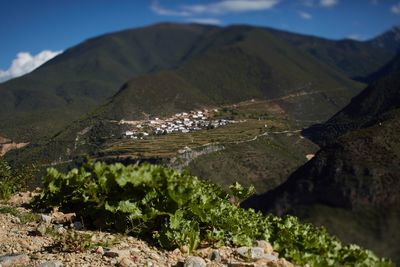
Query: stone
[[14, 260], [78, 225], [58, 217], [59, 228], [241, 264], [193, 261], [254, 253], [15, 220], [51, 264], [111, 254], [215, 256], [45, 218], [41, 230], [99, 250], [280, 263], [265, 245], [126, 262]]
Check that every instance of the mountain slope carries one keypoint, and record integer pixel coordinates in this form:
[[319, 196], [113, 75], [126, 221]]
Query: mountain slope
[[75, 82], [255, 64], [352, 184], [377, 99], [43, 102], [248, 63], [356, 59]]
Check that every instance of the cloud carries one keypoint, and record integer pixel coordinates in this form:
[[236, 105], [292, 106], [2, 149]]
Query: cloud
[[356, 37], [216, 8], [25, 63], [211, 21], [395, 9], [158, 9], [320, 3], [305, 15], [328, 3]]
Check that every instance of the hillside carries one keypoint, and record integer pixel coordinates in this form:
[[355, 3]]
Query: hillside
[[364, 109], [249, 63], [37, 105], [351, 186], [357, 59]]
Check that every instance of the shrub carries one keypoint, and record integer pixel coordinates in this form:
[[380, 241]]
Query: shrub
[[12, 181], [176, 209]]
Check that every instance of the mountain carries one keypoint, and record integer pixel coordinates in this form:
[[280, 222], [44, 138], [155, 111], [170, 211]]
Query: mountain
[[357, 59], [240, 63], [38, 105], [364, 109], [389, 40], [352, 184]]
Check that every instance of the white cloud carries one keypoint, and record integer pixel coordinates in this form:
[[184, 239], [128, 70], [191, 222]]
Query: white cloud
[[158, 9], [25, 63], [216, 8], [395, 9], [328, 3], [356, 37], [305, 15], [211, 21]]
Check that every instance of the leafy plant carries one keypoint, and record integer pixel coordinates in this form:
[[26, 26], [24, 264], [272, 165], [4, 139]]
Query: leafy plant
[[178, 210], [12, 181]]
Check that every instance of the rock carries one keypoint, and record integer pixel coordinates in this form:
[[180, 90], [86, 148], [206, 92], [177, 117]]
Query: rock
[[15, 220], [59, 228], [241, 264], [111, 254], [41, 230], [215, 264], [254, 253], [99, 250], [78, 225], [45, 218], [265, 245], [126, 262], [270, 257], [51, 264], [193, 261], [62, 218], [214, 256], [280, 263], [14, 260]]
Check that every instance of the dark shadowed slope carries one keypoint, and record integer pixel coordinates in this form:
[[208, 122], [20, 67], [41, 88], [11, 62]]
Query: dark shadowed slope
[[378, 98], [352, 185]]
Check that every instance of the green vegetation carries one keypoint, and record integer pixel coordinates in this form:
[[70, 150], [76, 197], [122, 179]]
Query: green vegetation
[[12, 181], [178, 210], [172, 66]]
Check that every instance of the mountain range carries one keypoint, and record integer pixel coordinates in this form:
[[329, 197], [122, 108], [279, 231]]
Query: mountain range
[[277, 87], [38, 105], [352, 184]]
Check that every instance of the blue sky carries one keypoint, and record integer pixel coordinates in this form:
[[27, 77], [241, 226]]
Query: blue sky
[[52, 26]]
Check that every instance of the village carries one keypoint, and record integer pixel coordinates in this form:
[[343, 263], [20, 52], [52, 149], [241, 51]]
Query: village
[[184, 122]]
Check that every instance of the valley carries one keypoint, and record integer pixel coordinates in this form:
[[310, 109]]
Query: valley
[[310, 124]]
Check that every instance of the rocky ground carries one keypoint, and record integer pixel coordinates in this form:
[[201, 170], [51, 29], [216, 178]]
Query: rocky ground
[[57, 239]]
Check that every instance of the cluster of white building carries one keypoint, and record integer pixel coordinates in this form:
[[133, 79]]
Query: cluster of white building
[[180, 122]]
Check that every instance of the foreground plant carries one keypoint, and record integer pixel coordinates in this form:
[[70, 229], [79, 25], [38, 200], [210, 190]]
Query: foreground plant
[[176, 210], [12, 181]]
